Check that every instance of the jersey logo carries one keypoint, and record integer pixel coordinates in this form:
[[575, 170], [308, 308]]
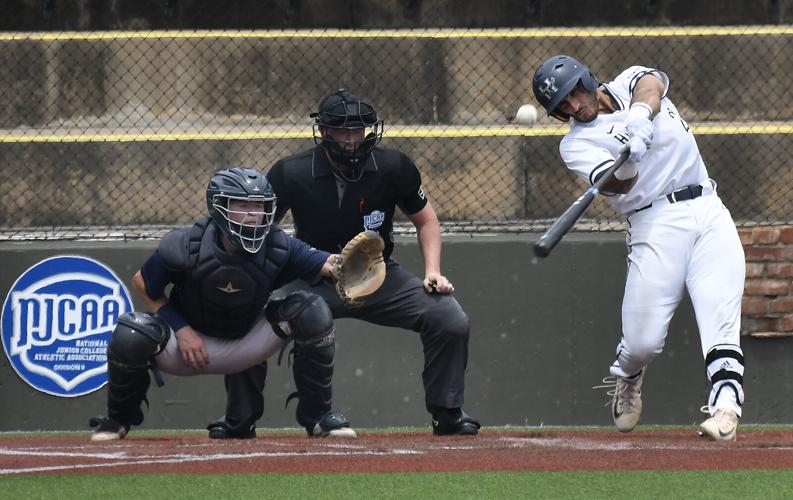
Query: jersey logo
[[56, 323], [373, 220], [548, 87], [229, 288], [421, 194]]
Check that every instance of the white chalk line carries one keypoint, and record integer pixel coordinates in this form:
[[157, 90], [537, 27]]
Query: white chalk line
[[696, 444], [177, 458]]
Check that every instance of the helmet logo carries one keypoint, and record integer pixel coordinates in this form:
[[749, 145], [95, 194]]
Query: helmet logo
[[548, 87]]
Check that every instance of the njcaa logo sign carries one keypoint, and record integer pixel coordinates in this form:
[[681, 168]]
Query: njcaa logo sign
[[373, 220], [57, 320]]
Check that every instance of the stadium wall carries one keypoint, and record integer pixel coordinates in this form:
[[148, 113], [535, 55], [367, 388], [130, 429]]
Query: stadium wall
[[81, 15], [543, 333]]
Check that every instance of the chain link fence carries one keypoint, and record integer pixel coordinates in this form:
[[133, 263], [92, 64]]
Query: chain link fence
[[115, 134]]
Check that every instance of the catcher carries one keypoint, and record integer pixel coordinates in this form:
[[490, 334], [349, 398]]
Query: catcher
[[335, 190]]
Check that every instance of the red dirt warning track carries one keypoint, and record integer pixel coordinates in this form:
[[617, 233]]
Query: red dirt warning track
[[491, 450]]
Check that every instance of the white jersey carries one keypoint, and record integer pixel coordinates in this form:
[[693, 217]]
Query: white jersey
[[672, 161]]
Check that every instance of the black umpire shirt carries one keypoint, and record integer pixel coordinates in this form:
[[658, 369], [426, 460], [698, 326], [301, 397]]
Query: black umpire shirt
[[305, 184]]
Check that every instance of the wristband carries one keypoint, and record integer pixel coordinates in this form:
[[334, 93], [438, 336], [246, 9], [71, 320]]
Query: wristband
[[638, 109], [174, 318]]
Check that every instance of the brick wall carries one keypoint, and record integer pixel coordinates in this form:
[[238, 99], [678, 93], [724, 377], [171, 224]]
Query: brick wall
[[767, 309]]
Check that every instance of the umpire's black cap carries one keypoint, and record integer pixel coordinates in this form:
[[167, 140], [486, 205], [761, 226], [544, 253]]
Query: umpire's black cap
[[343, 109]]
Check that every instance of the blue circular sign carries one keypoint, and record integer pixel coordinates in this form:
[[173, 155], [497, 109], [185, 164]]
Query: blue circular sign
[[56, 324]]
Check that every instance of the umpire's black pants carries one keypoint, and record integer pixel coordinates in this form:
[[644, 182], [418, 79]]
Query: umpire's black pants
[[400, 302]]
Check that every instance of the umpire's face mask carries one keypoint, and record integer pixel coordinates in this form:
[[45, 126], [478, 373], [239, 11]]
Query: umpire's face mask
[[349, 147]]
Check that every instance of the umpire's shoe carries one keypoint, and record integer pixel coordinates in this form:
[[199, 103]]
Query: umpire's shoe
[[454, 422], [220, 429], [107, 429], [331, 425]]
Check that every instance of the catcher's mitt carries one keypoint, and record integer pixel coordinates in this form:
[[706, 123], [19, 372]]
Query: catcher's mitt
[[360, 269]]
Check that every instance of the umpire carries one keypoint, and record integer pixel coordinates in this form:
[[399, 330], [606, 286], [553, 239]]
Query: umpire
[[344, 185]]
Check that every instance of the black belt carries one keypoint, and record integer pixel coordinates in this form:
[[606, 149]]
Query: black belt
[[687, 193]]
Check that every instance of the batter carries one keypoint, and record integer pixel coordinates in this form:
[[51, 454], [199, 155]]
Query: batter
[[680, 235]]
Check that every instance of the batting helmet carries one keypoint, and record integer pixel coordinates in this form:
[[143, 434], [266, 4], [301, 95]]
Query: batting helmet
[[342, 110], [557, 77], [247, 229]]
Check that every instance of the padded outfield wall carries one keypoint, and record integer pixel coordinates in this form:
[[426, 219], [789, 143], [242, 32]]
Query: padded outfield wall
[[543, 333]]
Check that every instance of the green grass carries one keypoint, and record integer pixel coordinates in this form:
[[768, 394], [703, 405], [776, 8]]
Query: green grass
[[765, 484]]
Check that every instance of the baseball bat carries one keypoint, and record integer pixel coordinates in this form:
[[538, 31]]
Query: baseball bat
[[570, 217]]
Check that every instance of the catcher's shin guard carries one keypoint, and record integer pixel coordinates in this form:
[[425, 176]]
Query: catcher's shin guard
[[126, 390], [313, 372], [311, 326], [133, 344]]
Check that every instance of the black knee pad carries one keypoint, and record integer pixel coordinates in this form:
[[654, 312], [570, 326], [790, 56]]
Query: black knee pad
[[309, 317], [137, 338]]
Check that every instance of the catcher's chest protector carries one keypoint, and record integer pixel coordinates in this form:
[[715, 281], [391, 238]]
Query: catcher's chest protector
[[223, 294]]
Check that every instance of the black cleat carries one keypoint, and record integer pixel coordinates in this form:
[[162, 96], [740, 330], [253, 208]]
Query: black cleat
[[454, 422], [220, 429]]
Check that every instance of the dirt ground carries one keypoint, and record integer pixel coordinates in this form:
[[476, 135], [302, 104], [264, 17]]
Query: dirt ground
[[491, 450]]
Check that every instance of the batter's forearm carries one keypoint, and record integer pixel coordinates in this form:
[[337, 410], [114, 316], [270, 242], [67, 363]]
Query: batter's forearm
[[649, 90]]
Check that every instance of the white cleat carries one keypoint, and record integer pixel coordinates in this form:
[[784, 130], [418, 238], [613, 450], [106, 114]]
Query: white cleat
[[344, 432], [108, 435], [107, 429], [626, 400], [341, 432], [722, 426]]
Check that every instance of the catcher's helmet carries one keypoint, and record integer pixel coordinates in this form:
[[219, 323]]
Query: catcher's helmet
[[342, 110], [557, 77], [246, 230]]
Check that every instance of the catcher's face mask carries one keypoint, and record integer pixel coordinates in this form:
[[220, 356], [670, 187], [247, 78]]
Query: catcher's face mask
[[248, 219]]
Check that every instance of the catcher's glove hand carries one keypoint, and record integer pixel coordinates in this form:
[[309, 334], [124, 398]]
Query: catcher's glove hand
[[360, 269]]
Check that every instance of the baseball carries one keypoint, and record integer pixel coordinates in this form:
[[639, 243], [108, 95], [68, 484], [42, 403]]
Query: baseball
[[526, 115]]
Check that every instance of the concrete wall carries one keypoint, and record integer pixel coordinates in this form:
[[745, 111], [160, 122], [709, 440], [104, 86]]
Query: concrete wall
[[543, 333]]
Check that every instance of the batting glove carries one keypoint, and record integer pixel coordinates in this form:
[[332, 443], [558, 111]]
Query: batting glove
[[628, 170], [640, 130]]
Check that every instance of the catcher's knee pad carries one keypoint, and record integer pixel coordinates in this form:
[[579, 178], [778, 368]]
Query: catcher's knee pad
[[724, 365], [308, 316], [133, 343], [137, 338]]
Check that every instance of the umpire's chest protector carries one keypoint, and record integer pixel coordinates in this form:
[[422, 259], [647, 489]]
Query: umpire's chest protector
[[223, 294]]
